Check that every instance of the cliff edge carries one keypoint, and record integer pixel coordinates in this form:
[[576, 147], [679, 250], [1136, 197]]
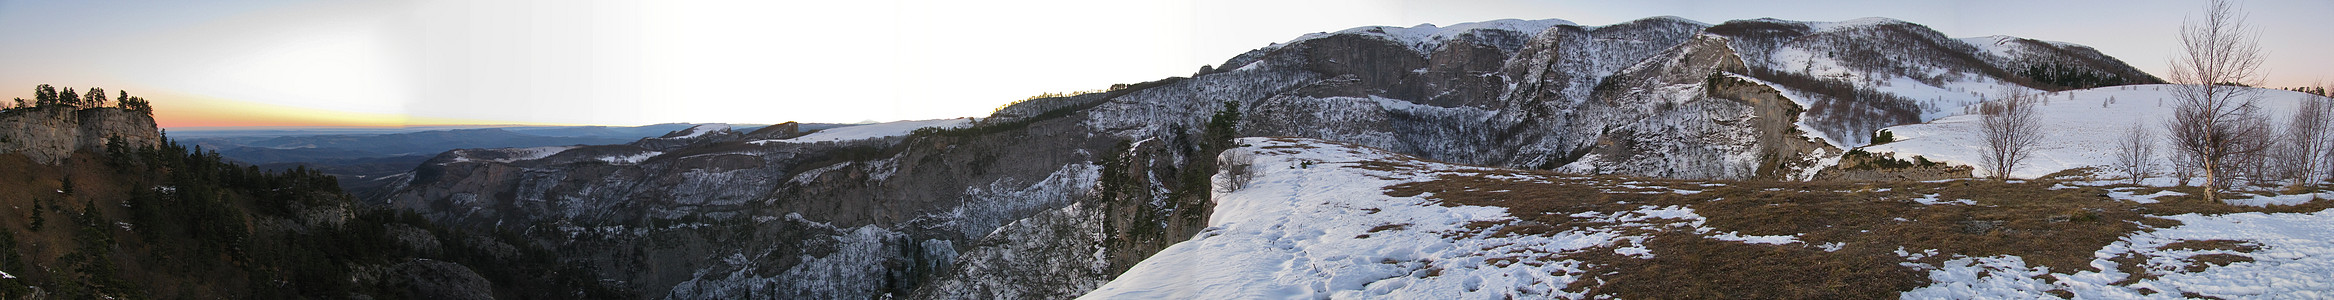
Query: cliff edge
[[50, 134]]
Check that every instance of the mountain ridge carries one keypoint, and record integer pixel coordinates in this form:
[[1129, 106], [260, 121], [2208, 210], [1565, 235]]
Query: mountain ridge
[[1100, 181]]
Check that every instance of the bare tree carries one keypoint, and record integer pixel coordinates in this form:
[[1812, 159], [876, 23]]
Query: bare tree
[[2213, 119], [2011, 131], [2135, 154], [2183, 166], [1239, 168], [2251, 165], [2325, 159], [2306, 141]]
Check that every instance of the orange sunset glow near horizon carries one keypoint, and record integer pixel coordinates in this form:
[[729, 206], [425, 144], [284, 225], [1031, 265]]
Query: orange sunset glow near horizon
[[193, 112]]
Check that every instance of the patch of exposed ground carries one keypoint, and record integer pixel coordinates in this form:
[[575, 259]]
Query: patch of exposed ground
[[1852, 239]]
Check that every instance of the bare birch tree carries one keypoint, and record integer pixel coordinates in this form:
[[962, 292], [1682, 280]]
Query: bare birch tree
[[2211, 117], [2011, 130], [2135, 153], [2306, 141], [2183, 166]]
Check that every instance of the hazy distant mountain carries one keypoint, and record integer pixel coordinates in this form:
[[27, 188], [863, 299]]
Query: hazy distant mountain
[[104, 207], [362, 158]]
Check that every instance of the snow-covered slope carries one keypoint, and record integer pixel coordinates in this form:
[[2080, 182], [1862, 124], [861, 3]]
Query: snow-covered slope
[[696, 131], [1314, 224], [869, 131], [503, 154], [2081, 128], [1426, 38], [2286, 256], [1322, 219]]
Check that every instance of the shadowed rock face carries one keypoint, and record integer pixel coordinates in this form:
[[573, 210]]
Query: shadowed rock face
[[1051, 197], [49, 134], [430, 279]]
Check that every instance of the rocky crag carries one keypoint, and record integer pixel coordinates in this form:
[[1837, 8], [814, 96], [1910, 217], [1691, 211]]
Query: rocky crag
[[50, 134], [1051, 197]]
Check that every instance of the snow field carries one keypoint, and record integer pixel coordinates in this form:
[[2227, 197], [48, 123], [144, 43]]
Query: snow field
[[2081, 129], [1328, 230], [870, 131], [2295, 257], [1315, 222]]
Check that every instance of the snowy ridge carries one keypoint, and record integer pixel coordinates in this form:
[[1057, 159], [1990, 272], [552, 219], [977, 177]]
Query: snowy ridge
[[630, 159], [870, 131], [1315, 222], [1292, 233], [505, 155], [1425, 38], [696, 131], [1996, 45], [1852, 24]]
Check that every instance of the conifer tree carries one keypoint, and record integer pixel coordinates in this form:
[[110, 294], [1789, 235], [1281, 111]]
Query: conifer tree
[[68, 98], [44, 95], [95, 98]]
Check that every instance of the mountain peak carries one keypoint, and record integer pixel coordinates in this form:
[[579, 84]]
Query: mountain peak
[[1426, 37]]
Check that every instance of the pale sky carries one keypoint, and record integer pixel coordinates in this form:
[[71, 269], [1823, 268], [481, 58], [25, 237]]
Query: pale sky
[[634, 63]]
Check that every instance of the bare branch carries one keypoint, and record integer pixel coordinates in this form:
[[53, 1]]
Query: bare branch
[[2135, 154], [2215, 124], [2011, 131]]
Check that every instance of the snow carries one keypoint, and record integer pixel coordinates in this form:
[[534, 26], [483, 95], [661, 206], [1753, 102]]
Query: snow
[[2078, 132], [1996, 45], [2264, 201], [630, 159], [1330, 231], [1931, 199], [1854, 23], [513, 154], [2292, 262], [871, 131], [1425, 38], [2125, 194], [1308, 233], [701, 130]]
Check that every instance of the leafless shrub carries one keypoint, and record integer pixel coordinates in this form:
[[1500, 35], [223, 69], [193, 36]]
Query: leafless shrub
[[2308, 137], [2183, 167], [1239, 169], [2135, 154], [2011, 131]]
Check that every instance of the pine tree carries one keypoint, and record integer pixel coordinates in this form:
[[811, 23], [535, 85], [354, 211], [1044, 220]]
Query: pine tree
[[68, 98], [45, 95], [95, 98]]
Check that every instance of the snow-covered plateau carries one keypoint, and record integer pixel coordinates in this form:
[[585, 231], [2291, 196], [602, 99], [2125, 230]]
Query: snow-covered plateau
[[1052, 197], [1323, 219], [2081, 128], [870, 131]]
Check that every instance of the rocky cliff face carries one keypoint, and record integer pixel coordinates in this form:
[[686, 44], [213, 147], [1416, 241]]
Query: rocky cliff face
[[50, 134], [1051, 197]]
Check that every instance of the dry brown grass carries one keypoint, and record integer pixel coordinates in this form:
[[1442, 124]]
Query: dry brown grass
[[2058, 229], [2198, 245]]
